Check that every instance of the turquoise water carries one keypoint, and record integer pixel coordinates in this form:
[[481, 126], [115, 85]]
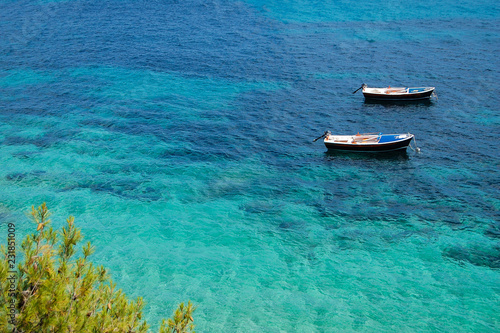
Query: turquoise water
[[179, 135]]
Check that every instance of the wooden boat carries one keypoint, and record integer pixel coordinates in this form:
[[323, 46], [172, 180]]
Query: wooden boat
[[367, 142], [397, 93]]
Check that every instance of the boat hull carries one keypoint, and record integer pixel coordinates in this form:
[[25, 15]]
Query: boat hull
[[375, 147], [411, 96]]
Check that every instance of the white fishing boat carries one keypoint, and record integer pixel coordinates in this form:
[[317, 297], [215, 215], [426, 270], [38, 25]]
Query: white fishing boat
[[367, 142], [397, 93]]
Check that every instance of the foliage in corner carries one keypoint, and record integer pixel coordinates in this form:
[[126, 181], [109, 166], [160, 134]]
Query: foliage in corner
[[56, 289]]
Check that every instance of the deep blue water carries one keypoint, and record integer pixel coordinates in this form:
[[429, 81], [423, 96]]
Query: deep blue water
[[179, 134]]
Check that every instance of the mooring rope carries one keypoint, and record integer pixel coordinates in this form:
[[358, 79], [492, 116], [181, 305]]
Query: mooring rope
[[416, 148]]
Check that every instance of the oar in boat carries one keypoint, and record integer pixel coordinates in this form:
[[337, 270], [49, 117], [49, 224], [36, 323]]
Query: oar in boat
[[362, 86], [322, 136]]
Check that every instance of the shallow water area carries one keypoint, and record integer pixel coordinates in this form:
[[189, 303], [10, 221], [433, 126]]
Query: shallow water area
[[179, 135]]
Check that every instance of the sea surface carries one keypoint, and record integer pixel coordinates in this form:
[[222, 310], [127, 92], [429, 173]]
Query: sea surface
[[180, 136]]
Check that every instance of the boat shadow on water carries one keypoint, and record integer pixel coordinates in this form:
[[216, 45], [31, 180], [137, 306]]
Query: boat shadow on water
[[400, 154], [424, 102]]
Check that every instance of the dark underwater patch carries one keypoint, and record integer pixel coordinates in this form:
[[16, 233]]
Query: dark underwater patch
[[25, 154], [292, 225], [261, 207], [494, 230], [16, 176], [486, 257], [46, 140], [26, 176], [127, 189]]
